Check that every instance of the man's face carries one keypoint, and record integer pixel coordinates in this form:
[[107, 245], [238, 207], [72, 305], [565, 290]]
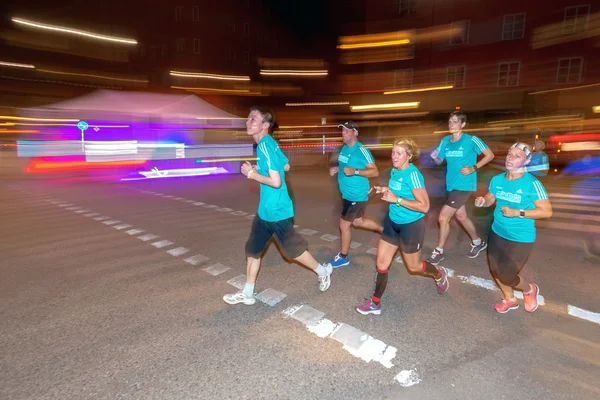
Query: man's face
[[348, 135], [454, 124], [254, 123]]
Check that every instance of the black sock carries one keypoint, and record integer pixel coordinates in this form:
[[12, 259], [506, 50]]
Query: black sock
[[344, 255], [380, 285], [429, 270]]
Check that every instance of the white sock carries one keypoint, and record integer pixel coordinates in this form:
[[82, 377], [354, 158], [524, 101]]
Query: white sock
[[477, 241], [248, 290], [321, 270], [441, 251]]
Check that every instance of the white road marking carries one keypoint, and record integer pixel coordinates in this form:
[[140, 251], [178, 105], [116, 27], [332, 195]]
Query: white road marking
[[239, 213], [122, 226], [355, 245], [216, 269], [238, 281], [134, 231], [271, 297], [90, 215], [583, 314], [372, 250], [224, 209], [73, 208], [329, 238], [81, 211], [198, 203], [161, 243], [148, 237], [111, 222], [197, 259], [408, 378], [308, 232], [178, 251], [101, 218]]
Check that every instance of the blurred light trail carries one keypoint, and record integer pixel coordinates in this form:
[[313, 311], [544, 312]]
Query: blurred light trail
[[94, 126], [73, 31], [19, 131], [427, 89], [317, 104], [209, 76], [291, 72], [538, 119], [596, 109], [155, 173], [398, 42], [315, 139], [211, 160], [16, 65], [306, 126], [204, 89], [38, 119], [579, 146], [391, 106], [498, 128], [93, 76], [386, 115], [567, 88], [60, 166]]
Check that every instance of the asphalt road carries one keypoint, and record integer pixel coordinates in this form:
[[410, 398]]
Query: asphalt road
[[113, 290]]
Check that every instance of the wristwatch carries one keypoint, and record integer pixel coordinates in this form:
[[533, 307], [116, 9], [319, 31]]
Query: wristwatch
[[355, 172], [475, 168], [521, 213], [399, 201]]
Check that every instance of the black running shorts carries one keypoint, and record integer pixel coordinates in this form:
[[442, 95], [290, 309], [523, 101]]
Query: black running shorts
[[409, 237], [291, 243], [353, 210]]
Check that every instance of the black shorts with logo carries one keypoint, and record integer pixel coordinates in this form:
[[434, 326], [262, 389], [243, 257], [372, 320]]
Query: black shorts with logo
[[291, 243], [353, 210], [457, 198], [409, 237], [507, 258]]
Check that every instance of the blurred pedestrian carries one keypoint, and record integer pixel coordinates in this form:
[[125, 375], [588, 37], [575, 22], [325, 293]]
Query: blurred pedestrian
[[275, 210], [539, 164], [460, 151], [404, 225], [355, 166], [521, 199]]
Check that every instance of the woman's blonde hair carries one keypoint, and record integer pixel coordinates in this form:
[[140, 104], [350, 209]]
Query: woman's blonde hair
[[411, 147]]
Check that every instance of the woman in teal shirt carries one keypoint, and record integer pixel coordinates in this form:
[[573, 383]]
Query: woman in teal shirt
[[404, 226], [520, 199]]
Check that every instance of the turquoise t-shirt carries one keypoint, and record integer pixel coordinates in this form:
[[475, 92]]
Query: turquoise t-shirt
[[459, 154], [354, 187], [274, 204], [402, 183], [518, 194]]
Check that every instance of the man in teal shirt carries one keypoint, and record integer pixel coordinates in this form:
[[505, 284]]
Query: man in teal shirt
[[275, 210], [460, 151], [355, 167]]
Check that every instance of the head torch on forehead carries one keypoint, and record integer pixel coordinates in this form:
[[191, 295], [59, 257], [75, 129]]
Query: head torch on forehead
[[524, 147]]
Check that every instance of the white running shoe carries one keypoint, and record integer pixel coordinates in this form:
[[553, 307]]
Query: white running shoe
[[239, 297], [325, 280]]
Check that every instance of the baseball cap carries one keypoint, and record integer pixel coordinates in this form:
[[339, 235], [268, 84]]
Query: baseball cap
[[348, 125]]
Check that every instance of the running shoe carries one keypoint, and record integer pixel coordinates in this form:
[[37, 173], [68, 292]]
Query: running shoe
[[369, 308], [239, 297], [530, 298], [506, 305], [339, 261], [476, 249], [325, 280], [435, 257], [442, 283]]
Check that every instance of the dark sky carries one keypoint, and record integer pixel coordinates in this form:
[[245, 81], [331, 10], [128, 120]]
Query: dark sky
[[306, 20]]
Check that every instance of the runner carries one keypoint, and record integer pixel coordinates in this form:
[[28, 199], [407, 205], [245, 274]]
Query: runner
[[521, 199], [356, 166], [460, 150], [275, 210], [404, 226]]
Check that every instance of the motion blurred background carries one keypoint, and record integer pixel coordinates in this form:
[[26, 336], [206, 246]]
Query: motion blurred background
[[166, 86]]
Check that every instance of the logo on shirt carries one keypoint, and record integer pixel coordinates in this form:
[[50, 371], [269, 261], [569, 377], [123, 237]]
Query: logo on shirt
[[454, 153], [520, 191], [510, 197], [460, 148], [396, 185], [343, 159]]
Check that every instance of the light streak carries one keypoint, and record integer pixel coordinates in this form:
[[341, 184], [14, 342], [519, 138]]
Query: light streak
[[277, 72], [16, 65], [226, 159], [73, 31], [203, 89], [391, 106], [93, 76], [427, 89], [373, 44], [567, 88], [38, 119], [209, 76], [537, 119], [326, 103]]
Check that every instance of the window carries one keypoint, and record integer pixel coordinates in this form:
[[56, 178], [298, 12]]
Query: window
[[576, 18], [403, 78], [407, 7], [196, 46], [455, 75], [246, 57], [180, 45], [178, 13], [195, 13], [569, 70], [513, 27], [508, 73], [460, 32], [246, 29]]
